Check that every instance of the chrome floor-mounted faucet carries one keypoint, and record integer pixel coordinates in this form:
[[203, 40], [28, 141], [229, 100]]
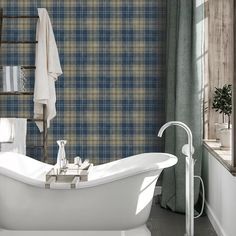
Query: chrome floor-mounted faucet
[[189, 176]]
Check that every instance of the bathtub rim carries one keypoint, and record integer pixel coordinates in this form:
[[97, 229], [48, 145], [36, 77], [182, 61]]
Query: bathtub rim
[[172, 160]]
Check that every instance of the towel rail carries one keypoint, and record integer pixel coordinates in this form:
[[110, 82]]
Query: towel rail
[[26, 67], [15, 93], [44, 118], [34, 146], [28, 119], [34, 119]]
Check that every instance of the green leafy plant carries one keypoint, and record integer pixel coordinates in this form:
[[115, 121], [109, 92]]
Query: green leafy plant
[[222, 101]]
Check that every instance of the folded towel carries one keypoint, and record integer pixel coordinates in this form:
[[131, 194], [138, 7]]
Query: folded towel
[[19, 143], [48, 69], [12, 78], [7, 131]]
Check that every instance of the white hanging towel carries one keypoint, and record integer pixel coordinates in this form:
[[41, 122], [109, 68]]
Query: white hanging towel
[[19, 142], [48, 68]]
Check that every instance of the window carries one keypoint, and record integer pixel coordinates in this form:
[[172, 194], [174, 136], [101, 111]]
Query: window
[[219, 70]]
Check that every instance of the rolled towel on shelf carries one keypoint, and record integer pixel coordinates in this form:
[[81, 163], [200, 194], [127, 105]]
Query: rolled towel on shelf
[[13, 79]]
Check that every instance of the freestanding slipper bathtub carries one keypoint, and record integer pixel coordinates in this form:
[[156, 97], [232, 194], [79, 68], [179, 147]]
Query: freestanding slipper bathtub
[[115, 201]]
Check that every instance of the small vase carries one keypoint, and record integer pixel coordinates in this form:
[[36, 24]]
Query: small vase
[[61, 156]]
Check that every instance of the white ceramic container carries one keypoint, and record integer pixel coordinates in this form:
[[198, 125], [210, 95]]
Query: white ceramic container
[[226, 138]]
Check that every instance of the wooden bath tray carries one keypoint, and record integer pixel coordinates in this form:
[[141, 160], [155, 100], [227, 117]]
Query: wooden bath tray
[[72, 174]]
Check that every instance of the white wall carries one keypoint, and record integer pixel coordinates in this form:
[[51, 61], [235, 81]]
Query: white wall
[[220, 195]]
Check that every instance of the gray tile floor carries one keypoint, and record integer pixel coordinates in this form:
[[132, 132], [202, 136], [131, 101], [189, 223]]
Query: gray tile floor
[[166, 223]]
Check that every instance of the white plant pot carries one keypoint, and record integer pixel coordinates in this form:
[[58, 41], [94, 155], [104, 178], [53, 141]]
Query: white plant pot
[[226, 137], [218, 128]]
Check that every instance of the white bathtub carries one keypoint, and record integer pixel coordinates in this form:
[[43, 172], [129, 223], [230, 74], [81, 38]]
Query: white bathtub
[[116, 199]]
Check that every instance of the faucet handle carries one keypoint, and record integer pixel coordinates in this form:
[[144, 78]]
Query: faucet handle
[[185, 150], [77, 161]]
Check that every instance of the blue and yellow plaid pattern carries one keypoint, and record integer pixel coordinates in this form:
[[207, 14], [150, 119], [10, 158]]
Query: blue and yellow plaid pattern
[[110, 98]]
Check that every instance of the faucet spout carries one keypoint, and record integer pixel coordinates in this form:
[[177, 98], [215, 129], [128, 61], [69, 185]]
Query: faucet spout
[[185, 127]]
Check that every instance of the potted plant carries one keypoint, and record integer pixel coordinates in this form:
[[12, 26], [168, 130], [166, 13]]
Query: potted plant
[[222, 103]]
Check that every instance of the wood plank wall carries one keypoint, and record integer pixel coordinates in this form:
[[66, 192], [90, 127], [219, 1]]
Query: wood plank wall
[[219, 56], [1, 15]]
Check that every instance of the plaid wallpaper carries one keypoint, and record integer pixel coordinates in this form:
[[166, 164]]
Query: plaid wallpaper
[[110, 98]]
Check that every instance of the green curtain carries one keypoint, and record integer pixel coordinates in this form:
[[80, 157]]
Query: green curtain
[[184, 94]]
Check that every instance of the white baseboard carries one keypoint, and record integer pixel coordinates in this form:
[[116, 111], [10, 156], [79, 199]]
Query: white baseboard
[[214, 221]]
